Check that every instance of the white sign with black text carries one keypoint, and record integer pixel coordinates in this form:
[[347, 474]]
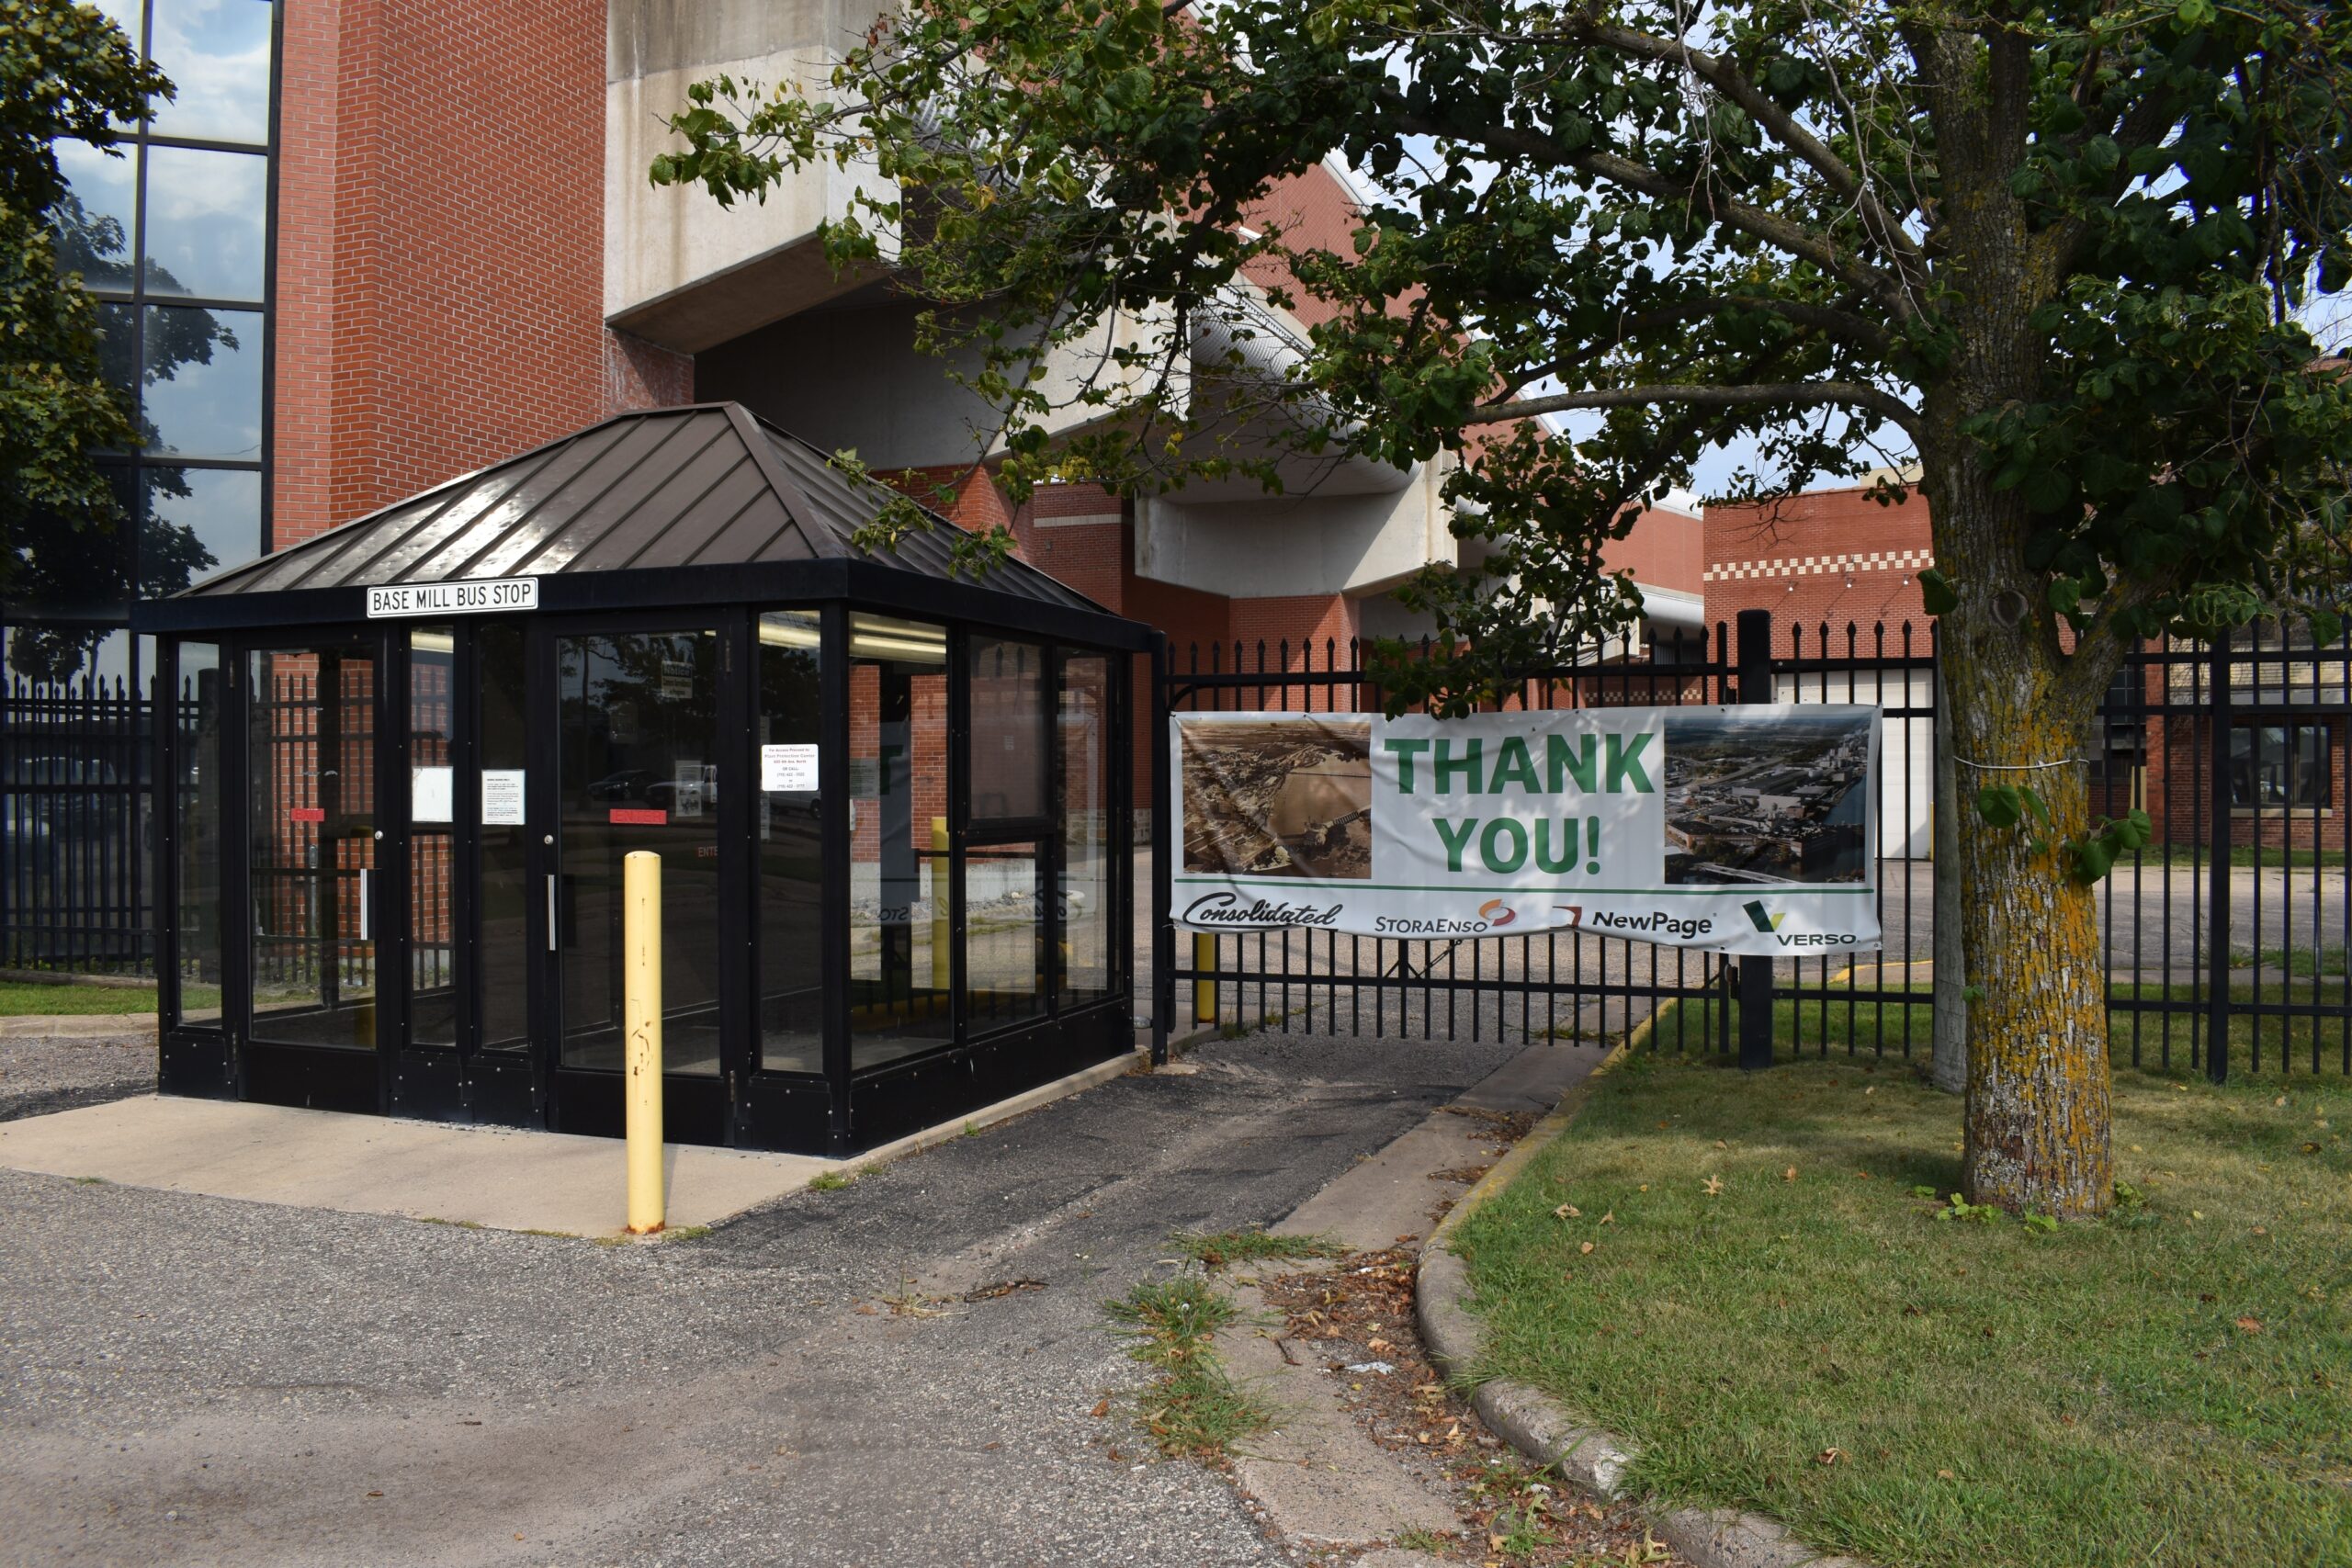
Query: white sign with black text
[[481, 596]]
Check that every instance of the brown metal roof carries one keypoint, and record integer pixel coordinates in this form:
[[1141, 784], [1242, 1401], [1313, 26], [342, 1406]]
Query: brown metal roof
[[706, 485]]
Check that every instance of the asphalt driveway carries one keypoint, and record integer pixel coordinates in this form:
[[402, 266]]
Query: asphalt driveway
[[198, 1380]]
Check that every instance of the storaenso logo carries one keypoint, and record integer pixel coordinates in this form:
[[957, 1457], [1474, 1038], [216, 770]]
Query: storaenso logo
[[1762, 919], [1497, 913], [1227, 909]]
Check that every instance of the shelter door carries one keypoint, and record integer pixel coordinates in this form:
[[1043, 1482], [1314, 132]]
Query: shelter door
[[640, 764], [311, 840]]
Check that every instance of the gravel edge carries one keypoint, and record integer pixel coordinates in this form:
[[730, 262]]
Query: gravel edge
[[1531, 1422]]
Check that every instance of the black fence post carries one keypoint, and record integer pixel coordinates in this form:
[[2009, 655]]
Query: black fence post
[[2217, 889], [1754, 973], [1163, 933]]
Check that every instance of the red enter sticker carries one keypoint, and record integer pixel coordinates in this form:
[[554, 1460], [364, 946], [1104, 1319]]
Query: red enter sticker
[[635, 818], [309, 814]]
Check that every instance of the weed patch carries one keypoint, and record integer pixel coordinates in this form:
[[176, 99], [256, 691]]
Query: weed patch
[[1192, 1409], [1225, 1248]]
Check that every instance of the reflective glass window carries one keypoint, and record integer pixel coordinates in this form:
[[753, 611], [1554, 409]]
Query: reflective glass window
[[1004, 935], [197, 802], [217, 54], [1089, 873], [902, 951], [203, 382], [206, 215], [503, 902], [791, 845], [96, 223], [432, 847], [199, 521], [311, 795], [1009, 756], [119, 355]]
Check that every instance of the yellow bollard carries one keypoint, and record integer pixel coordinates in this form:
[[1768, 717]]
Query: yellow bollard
[[1204, 991], [641, 1036]]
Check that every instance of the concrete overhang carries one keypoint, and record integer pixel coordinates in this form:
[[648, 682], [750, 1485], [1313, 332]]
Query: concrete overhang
[[744, 298]]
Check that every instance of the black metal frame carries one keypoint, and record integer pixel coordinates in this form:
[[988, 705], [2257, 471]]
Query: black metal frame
[[1603, 985], [746, 1104]]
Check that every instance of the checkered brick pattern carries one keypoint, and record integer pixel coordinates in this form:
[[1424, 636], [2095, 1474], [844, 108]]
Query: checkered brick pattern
[[1813, 566]]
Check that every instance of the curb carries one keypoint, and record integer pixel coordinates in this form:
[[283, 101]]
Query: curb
[[1531, 1422]]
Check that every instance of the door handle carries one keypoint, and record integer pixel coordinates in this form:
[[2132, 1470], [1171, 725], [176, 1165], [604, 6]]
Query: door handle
[[551, 947]]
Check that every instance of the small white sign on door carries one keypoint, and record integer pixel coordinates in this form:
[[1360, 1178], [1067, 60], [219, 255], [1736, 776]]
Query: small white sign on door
[[501, 797], [430, 795], [788, 767]]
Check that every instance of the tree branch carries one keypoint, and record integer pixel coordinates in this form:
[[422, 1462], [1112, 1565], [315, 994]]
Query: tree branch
[[1809, 394], [1884, 230], [1827, 319]]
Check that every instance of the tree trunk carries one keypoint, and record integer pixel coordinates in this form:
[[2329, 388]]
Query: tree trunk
[[2038, 1088], [1947, 1050]]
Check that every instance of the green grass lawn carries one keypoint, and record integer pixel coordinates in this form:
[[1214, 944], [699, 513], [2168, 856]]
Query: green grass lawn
[[2172, 1385], [2244, 857], [2270, 1049], [20, 1000]]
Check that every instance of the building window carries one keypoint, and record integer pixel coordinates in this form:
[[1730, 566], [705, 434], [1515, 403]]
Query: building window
[[2276, 766], [170, 232]]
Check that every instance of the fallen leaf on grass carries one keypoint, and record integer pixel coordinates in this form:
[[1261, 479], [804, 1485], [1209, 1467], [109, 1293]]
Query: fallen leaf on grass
[[1714, 1185], [1829, 1455], [2250, 1325], [1610, 1218], [1567, 1212], [1789, 1174], [1585, 1249], [1944, 1475], [1102, 1408]]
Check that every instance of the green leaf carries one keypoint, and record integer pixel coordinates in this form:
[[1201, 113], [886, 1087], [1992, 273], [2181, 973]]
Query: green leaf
[[1999, 806], [1935, 593]]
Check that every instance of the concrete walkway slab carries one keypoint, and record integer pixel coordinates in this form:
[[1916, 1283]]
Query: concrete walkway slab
[[1390, 1195], [496, 1178], [1315, 1472]]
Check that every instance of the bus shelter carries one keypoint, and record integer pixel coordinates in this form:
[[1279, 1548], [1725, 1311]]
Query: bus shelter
[[892, 804]]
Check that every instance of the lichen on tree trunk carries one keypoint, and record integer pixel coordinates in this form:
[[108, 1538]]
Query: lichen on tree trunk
[[2037, 1085]]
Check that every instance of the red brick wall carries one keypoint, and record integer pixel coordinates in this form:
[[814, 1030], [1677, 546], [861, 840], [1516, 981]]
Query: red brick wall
[[1832, 557], [2179, 791], [1666, 549], [440, 248]]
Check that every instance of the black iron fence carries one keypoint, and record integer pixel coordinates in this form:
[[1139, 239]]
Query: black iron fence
[[78, 810], [2227, 940], [2231, 930]]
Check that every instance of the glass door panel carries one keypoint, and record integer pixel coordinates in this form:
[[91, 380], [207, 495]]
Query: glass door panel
[[502, 894], [900, 947], [312, 844], [637, 769], [432, 846]]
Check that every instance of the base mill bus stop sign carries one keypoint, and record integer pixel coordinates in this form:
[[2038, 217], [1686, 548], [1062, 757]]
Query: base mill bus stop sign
[[1741, 830]]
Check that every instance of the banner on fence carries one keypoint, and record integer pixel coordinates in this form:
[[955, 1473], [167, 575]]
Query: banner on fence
[[1740, 829]]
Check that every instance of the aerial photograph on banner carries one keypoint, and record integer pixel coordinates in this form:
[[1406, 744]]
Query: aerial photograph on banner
[[1288, 798], [1751, 800]]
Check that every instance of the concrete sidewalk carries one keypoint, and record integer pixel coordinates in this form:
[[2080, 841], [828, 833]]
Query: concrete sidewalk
[[498, 1178], [374, 1165]]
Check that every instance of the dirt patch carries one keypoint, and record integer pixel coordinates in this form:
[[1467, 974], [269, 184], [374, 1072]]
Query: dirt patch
[[1355, 1321]]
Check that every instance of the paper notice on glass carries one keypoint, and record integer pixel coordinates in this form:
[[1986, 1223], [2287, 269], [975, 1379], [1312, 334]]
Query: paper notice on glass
[[430, 795], [788, 767], [686, 791], [501, 797]]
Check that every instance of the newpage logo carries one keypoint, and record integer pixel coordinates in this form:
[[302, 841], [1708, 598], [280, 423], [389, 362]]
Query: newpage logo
[[1227, 909]]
